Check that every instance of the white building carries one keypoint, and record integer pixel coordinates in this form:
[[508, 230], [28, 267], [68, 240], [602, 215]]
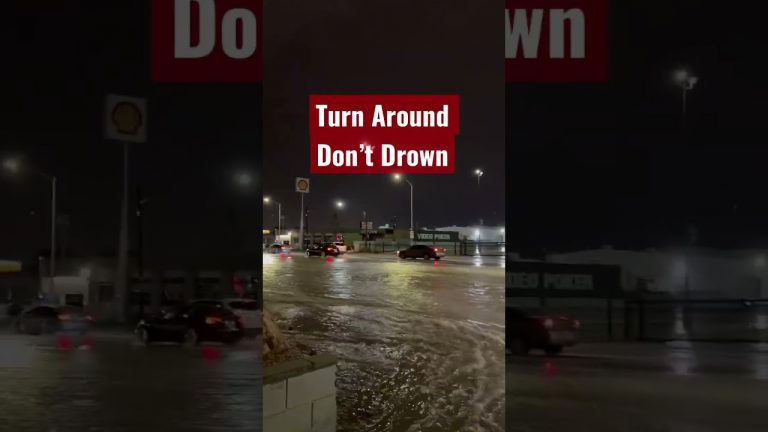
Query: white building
[[478, 233], [709, 273]]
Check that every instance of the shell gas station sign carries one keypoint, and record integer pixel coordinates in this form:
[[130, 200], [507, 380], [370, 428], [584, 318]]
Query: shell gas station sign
[[10, 266]]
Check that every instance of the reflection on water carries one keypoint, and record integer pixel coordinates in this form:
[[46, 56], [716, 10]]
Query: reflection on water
[[421, 347], [117, 386]]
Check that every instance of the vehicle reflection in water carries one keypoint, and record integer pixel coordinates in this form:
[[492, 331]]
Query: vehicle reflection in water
[[119, 386]]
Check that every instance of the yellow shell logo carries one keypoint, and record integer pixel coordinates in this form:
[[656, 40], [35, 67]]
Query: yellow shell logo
[[303, 185], [127, 118]]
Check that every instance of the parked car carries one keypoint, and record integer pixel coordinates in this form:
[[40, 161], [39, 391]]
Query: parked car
[[43, 319], [246, 309], [327, 249], [545, 332], [422, 251], [276, 248], [191, 324]]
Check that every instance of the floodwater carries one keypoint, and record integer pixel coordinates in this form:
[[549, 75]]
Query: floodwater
[[640, 388], [420, 344], [107, 382]]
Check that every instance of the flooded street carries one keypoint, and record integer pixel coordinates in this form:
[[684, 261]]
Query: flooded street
[[420, 344], [50, 384], [640, 388]]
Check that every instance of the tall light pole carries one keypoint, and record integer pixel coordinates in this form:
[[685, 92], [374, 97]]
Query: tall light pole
[[339, 207], [398, 177], [686, 81], [14, 166], [268, 200], [479, 173]]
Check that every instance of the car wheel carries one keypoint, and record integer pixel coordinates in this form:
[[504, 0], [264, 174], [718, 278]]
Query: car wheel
[[19, 326], [322, 254], [553, 350], [518, 346], [143, 336], [191, 338], [427, 257], [437, 258]]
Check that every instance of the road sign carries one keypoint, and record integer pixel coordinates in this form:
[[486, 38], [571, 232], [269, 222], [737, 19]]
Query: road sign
[[302, 185], [370, 226], [125, 118]]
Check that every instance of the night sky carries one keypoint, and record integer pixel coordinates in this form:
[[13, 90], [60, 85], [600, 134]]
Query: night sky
[[385, 46], [587, 164], [60, 61], [608, 164]]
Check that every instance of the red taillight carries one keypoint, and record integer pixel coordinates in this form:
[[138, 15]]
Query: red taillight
[[576, 324], [548, 323], [213, 320]]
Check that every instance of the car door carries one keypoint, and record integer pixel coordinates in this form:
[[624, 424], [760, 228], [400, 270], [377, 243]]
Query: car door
[[39, 319]]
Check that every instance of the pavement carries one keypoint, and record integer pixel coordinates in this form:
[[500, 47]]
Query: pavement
[[105, 381], [420, 343], [686, 387]]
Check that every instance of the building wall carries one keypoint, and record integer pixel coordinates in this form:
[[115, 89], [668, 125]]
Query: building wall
[[473, 233], [714, 275], [300, 396]]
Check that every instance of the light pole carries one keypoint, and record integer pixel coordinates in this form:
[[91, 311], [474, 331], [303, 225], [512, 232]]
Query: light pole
[[14, 166], [339, 207], [686, 81], [268, 200], [398, 177], [479, 173]]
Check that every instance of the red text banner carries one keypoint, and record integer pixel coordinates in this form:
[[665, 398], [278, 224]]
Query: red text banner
[[207, 41], [383, 134], [556, 40]]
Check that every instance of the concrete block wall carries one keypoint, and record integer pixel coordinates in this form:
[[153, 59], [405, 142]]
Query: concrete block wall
[[300, 395]]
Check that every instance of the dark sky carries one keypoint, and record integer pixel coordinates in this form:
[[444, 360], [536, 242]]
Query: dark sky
[[61, 58], [385, 46], [591, 165]]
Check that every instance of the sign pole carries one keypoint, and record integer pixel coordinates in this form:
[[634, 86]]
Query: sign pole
[[301, 224], [122, 255]]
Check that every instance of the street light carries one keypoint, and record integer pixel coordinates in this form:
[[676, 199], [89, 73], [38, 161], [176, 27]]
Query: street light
[[479, 173], [268, 200], [686, 81], [14, 166], [244, 179], [340, 204], [397, 178]]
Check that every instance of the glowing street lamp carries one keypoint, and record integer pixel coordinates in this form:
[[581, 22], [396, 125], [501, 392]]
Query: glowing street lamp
[[686, 81], [479, 173]]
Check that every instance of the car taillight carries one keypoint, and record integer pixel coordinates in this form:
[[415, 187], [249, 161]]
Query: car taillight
[[213, 320], [548, 323], [435, 249], [576, 324]]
